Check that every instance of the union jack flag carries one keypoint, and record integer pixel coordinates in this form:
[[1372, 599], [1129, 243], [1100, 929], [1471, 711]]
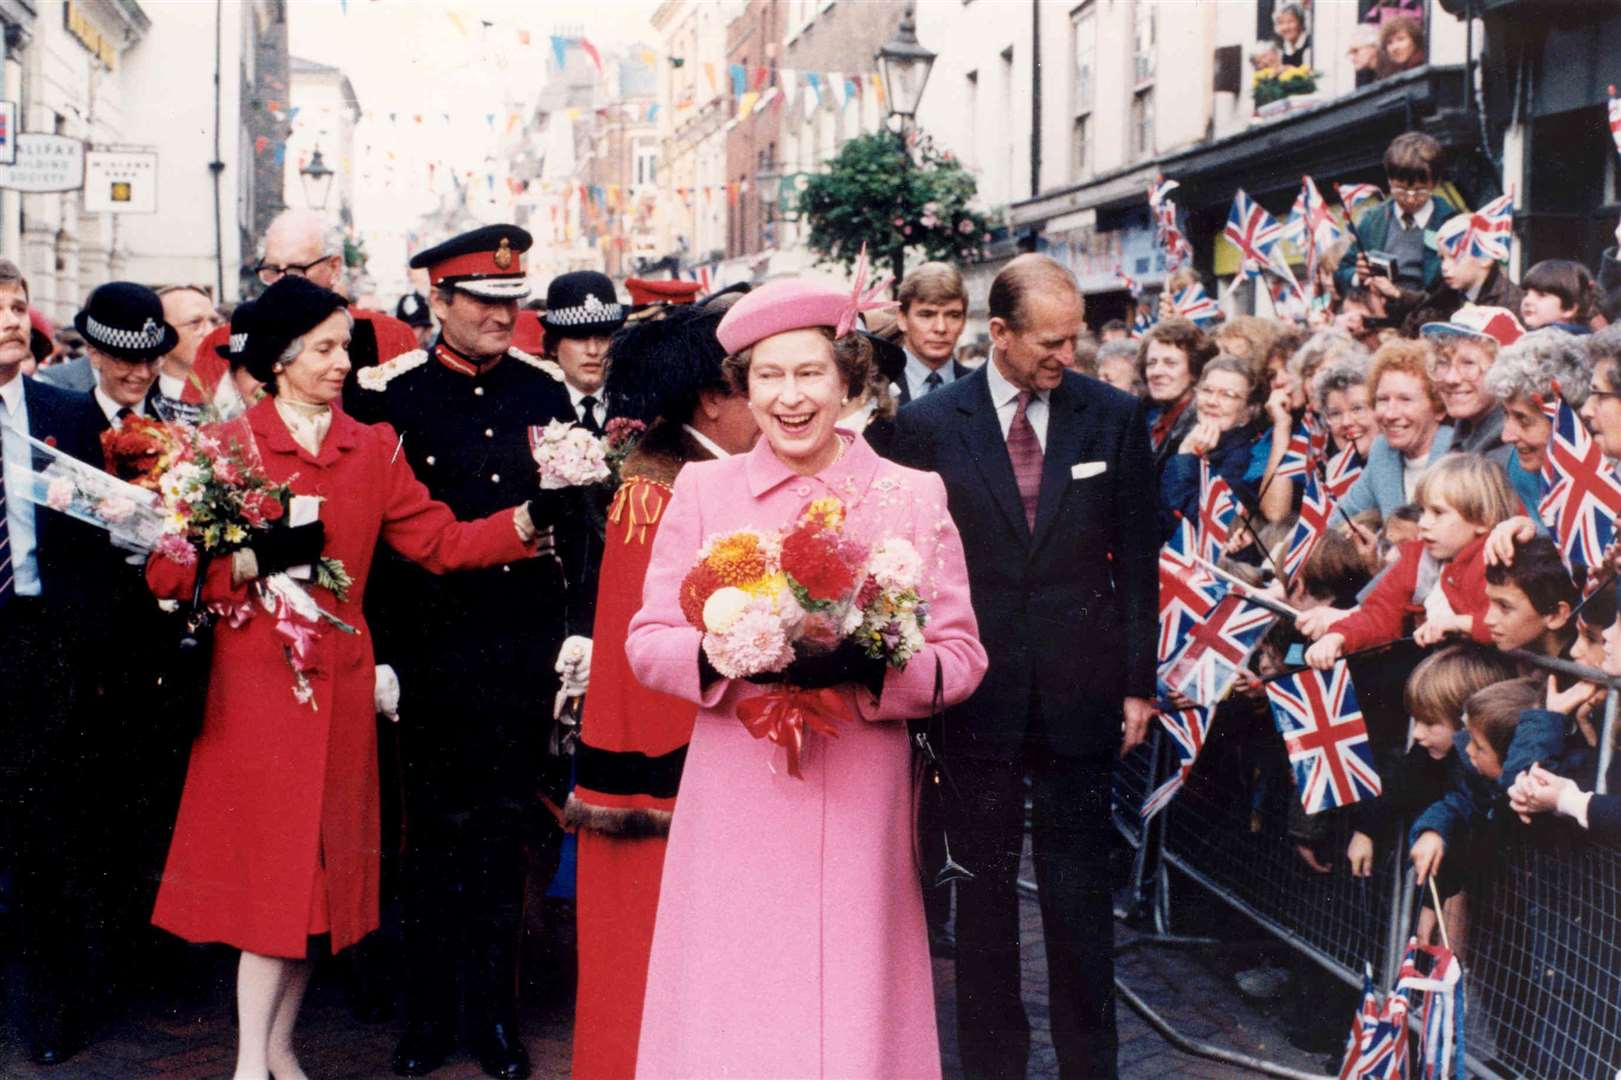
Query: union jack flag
[[1343, 469], [1327, 740], [1441, 992], [1484, 234], [1187, 592], [1195, 304], [1580, 492], [1143, 321], [1216, 651], [1311, 220], [1615, 119], [1217, 509], [1170, 236], [1254, 233], [1377, 1048], [1129, 282], [1356, 196], [1188, 729], [1297, 458], [1315, 508]]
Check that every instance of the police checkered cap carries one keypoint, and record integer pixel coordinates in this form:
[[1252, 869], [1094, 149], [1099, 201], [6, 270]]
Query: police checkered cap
[[149, 336], [239, 343], [591, 312]]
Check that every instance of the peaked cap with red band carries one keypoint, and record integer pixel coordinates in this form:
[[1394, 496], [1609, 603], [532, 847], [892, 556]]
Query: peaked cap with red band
[[486, 262], [645, 291]]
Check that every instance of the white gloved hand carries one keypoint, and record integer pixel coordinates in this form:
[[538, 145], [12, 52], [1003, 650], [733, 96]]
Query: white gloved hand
[[573, 669], [387, 693]]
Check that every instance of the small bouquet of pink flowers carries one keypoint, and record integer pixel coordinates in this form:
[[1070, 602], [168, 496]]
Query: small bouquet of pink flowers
[[568, 456], [763, 599]]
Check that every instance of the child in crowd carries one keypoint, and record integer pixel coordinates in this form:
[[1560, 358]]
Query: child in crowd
[[1435, 696], [1559, 293], [1395, 230], [1473, 795], [1440, 577], [1530, 600]]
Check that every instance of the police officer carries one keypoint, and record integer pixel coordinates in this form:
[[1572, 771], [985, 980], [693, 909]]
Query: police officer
[[582, 314], [473, 653]]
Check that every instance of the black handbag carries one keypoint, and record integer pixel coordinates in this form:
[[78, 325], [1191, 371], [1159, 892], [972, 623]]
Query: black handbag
[[939, 801], [185, 682]]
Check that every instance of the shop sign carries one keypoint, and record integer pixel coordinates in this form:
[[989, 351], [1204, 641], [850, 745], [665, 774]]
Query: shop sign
[[45, 163], [121, 182]]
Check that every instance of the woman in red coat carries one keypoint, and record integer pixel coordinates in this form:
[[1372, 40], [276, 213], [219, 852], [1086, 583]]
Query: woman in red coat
[[278, 831]]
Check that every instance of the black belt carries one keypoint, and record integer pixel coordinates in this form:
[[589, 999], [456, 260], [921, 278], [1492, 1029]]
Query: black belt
[[627, 772]]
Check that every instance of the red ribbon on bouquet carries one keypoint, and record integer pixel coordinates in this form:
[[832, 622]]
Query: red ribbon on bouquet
[[782, 714]]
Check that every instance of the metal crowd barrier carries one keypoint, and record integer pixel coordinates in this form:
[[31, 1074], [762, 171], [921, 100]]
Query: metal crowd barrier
[[1542, 954]]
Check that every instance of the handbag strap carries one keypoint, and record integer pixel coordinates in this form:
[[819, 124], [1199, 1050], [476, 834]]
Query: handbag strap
[[922, 738]]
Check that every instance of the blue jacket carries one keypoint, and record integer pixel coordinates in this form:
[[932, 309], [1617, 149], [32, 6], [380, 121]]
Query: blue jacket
[[1380, 485], [1471, 798]]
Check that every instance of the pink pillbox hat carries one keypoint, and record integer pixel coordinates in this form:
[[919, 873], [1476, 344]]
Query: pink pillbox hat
[[791, 304]]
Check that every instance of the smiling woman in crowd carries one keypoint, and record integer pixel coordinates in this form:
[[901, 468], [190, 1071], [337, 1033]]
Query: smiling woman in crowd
[[1409, 413], [1225, 435]]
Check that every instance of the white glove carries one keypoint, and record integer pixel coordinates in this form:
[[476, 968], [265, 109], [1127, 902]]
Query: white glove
[[387, 693], [574, 669]]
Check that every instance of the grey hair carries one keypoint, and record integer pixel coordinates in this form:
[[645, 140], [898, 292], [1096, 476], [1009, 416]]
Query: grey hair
[[1326, 347], [1339, 375], [1537, 363], [1604, 347], [296, 346], [1118, 350]]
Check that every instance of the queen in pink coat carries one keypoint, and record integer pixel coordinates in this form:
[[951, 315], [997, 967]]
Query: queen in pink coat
[[790, 938]]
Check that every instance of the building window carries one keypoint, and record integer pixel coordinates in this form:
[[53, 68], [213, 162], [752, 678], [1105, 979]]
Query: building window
[[646, 167], [1084, 31], [1142, 124], [1143, 41]]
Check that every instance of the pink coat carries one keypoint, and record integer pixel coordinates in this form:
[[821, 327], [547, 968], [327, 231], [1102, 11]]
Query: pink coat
[[790, 939]]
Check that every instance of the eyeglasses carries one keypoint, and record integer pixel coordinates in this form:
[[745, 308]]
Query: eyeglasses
[[1403, 189], [270, 273], [1467, 366], [1232, 397]]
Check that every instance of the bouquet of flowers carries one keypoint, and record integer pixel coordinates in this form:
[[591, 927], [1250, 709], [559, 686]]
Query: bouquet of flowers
[[133, 516], [217, 498], [568, 456], [763, 599]]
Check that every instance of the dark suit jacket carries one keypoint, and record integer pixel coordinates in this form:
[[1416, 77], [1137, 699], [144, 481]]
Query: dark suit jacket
[[66, 549], [1068, 614]]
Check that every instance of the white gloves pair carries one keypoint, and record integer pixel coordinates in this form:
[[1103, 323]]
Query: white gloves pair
[[573, 668]]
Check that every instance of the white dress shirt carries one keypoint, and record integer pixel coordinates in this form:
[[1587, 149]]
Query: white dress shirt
[[19, 511], [1421, 219], [917, 374], [575, 396], [171, 386], [109, 407], [706, 442], [1005, 396]]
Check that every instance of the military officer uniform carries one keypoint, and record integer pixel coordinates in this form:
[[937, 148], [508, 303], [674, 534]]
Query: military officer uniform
[[474, 654]]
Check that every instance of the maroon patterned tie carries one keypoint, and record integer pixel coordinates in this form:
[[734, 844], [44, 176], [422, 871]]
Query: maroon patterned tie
[[1024, 451]]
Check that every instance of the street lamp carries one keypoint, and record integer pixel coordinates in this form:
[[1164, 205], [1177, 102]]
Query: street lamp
[[904, 65], [317, 181]]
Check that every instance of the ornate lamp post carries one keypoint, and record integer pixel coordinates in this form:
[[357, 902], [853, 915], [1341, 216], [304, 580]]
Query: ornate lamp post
[[316, 178], [904, 65]]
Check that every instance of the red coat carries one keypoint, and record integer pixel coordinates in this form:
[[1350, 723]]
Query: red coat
[[1382, 616], [281, 800]]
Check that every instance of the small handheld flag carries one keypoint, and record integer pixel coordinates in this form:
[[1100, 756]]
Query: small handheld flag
[[1327, 739]]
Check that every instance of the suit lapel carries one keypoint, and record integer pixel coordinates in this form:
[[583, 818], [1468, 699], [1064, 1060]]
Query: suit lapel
[[1063, 446], [982, 434]]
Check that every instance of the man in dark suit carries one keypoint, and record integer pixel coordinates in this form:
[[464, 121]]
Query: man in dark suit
[[50, 823], [933, 311], [1050, 482]]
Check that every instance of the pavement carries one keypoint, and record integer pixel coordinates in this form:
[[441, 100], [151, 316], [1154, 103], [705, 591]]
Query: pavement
[[190, 1036]]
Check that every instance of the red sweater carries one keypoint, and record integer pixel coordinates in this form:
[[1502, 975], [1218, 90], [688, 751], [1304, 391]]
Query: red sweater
[[1379, 619]]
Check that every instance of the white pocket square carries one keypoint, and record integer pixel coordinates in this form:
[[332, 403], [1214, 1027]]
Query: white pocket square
[[1087, 469]]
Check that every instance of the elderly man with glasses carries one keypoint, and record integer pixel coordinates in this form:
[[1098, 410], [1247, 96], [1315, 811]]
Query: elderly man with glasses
[[303, 243]]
